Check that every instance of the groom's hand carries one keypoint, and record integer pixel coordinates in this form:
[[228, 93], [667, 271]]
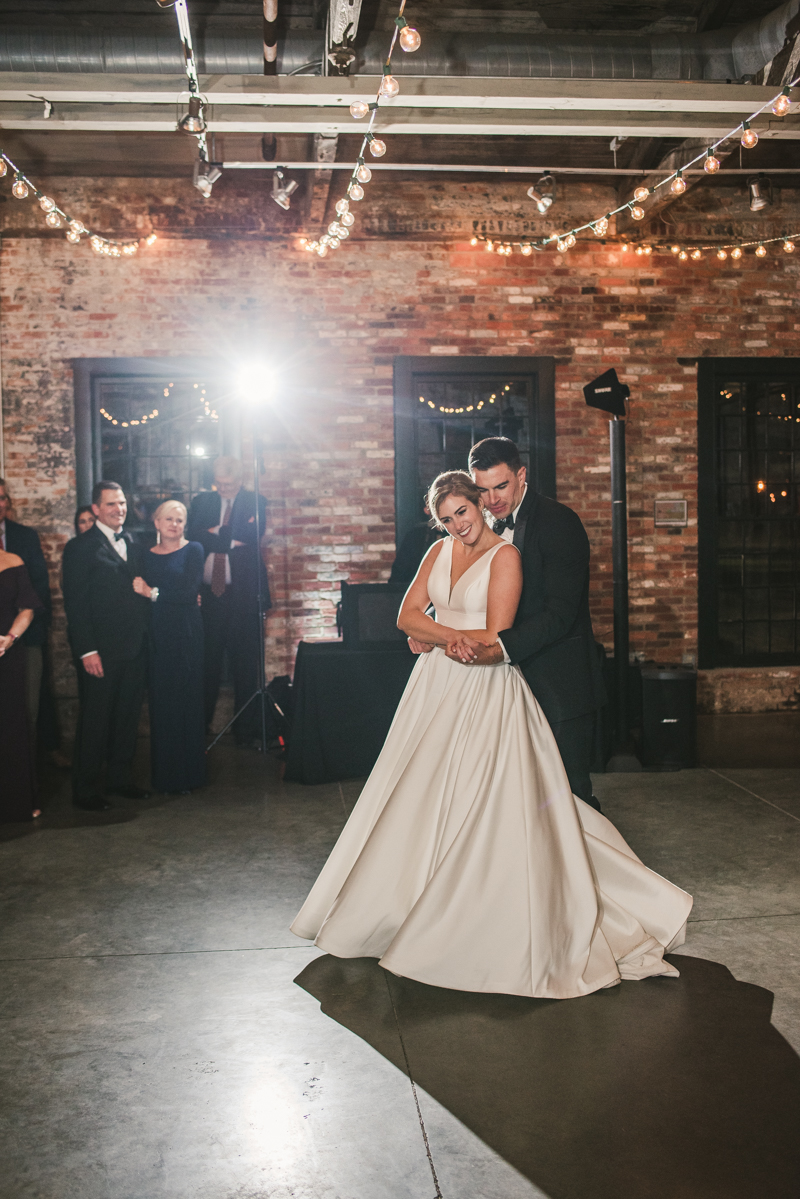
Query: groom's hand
[[488, 655]]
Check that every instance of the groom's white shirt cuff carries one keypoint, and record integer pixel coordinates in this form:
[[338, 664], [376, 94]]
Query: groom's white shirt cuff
[[506, 658]]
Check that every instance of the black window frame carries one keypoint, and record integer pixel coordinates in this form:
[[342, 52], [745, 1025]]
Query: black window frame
[[542, 419], [711, 372]]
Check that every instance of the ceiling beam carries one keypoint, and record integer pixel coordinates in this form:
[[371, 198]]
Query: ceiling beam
[[550, 95], [132, 118]]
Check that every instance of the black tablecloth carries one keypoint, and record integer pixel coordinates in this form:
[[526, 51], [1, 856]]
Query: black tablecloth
[[344, 701]]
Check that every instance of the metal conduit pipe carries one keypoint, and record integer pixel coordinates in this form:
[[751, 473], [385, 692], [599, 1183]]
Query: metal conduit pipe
[[724, 54]]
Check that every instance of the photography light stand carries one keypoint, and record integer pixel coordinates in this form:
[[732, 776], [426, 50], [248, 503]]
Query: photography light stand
[[611, 396], [261, 694]]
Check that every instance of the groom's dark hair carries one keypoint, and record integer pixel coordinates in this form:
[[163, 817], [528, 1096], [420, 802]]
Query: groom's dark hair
[[493, 451]]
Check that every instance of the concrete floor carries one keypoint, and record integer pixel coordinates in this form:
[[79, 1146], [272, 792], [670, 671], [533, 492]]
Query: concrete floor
[[156, 1043]]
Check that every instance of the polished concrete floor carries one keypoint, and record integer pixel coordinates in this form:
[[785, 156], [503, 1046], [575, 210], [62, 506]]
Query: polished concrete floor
[[164, 1035]]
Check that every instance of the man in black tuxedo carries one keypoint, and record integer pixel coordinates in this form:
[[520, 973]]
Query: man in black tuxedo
[[107, 626], [551, 640], [224, 522], [22, 540]]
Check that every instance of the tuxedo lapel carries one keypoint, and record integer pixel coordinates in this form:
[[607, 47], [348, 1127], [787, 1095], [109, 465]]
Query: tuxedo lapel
[[523, 516]]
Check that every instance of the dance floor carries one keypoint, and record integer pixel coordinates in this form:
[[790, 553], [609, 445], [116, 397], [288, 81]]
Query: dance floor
[[164, 1036]]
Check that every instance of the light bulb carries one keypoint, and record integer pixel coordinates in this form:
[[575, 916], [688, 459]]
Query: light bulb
[[788, 246], [637, 213], [389, 87], [782, 104], [343, 233], [377, 148], [624, 247], [675, 249], [761, 251], [570, 239], [722, 254], [490, 246], [363, 173], [736, 252], [130, 248], [355, 191], [114, 251], [334, 243], [749, 136], [409, 39], [526, 249], [348, 219], [3, 167], [600, 227], [73, 236], [326, 237], [678, 185], [640, 249], [647, 249], [77, 227], [696, 254], [322, 250], [46, 204], [333, 228], [683, 255], [96, 243], [561, 246], [342, 206], [359, 109], [711, 163], [641, 193], [19, 188], [473, 241], [53, 220]]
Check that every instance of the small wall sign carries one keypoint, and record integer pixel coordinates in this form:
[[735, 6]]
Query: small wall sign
[[671, 512]]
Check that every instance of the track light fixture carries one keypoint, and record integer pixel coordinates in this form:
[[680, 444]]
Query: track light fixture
[[760, 190], [193, 122], [543, 193], [205, 176], [282, 188]]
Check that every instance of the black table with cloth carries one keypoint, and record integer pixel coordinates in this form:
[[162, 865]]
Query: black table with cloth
[[344, 701]]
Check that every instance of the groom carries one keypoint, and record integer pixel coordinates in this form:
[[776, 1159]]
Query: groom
[[551, 640]]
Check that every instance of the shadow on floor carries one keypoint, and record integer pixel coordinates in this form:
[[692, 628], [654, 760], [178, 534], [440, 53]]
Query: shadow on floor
[[662, 1089], [739, 740]]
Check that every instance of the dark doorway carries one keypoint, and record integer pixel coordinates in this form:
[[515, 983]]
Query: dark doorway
[[749, 511], [442, 407]]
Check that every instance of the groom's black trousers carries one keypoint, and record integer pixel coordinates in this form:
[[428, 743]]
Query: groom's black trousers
[[575, 741]]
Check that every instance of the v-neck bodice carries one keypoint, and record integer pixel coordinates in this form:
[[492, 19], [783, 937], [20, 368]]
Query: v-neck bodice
[[463, 607]]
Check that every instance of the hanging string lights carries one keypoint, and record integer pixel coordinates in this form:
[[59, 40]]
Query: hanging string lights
[[677, 185], [339, 229], [564, 242], [56, 218]]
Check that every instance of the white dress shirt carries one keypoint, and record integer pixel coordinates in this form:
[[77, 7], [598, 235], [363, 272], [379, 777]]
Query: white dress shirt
[[208, 569], [2, 534], [508, 535]]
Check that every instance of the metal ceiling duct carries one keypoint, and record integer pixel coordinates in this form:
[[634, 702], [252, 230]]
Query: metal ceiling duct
[[723, 54]]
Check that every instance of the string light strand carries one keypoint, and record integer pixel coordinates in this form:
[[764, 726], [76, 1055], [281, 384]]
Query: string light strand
[[340, 228], [57, 218]]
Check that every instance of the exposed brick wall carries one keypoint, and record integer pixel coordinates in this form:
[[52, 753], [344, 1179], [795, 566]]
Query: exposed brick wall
[[334, 327]]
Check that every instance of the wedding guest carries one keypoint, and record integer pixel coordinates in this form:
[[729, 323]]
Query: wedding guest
[[84, 519], [171, 576], [107, 629], [24, 541], [224, 522], [18, 602]]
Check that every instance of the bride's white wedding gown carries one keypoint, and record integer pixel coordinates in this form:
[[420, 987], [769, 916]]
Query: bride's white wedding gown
[[467, 862]]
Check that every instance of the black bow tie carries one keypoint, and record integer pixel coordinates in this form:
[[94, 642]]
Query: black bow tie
[[119, 536], [500, 525]]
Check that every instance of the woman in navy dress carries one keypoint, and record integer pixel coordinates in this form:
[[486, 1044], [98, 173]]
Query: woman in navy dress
[[172, 578]]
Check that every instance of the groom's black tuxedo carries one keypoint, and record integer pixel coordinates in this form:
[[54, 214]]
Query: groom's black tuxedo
[[552, 640]]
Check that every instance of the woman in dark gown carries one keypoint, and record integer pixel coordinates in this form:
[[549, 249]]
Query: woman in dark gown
[[172, 578], [18, 601]]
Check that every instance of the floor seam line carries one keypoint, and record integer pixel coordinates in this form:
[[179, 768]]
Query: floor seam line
[[724, 919], [155, 953], [423, 1130], [747, 791]]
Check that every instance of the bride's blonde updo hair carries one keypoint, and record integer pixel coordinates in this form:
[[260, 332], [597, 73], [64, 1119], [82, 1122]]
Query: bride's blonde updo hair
[[451, 482]]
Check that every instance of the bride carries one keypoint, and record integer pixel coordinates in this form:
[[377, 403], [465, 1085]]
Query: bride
[[467, 862]]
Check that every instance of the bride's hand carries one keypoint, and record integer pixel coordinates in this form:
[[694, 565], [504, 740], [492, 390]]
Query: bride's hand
[[464, 649]]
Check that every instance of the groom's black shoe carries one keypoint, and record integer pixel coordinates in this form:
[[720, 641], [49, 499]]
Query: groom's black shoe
[[129, 791]]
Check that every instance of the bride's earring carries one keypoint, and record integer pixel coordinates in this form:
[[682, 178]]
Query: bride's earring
[[158, 537]]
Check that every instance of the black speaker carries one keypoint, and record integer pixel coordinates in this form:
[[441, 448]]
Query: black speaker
[[669, 717], [369, 615]]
